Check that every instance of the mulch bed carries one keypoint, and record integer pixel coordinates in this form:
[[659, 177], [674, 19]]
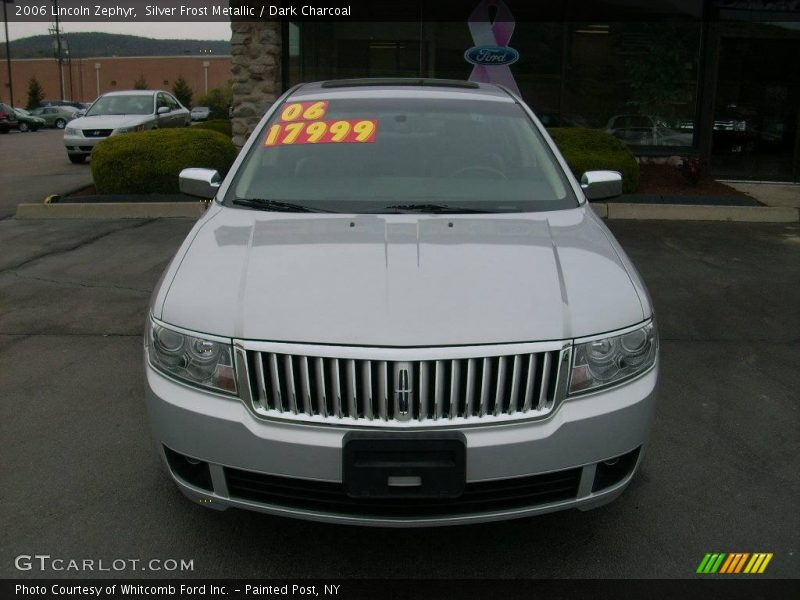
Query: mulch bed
[[664, 180]]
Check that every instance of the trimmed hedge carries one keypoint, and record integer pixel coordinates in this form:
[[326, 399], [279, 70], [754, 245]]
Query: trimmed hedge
[[592, 149], [222, 126], [149, 162]]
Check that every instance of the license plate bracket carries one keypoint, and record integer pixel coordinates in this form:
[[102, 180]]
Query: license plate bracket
[[404, 465]]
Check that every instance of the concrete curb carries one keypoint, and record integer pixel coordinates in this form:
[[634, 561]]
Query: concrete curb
[[689, 212], [112, 210]]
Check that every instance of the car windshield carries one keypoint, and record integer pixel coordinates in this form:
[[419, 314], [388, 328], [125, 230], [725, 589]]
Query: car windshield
[[135, 104], [22, 111], [390, 154]]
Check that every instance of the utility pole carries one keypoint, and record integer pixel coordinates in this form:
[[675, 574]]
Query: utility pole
[[57, 32], [8, 54]]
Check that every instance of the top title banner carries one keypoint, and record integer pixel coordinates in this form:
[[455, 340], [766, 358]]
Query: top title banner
[[393, 10]]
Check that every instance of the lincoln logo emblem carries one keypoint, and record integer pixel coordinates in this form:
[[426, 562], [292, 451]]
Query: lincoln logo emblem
[[403, 392]]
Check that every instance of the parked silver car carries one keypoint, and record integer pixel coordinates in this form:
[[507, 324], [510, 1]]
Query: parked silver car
[[55, 116], [400, 310], [200, 113], [122, 112]]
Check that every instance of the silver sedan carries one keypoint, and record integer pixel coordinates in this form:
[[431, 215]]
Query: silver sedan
[[122, 112]]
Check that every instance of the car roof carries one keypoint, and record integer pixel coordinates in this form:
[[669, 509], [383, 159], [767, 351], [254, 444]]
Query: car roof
[[401, 88], [133, 93]]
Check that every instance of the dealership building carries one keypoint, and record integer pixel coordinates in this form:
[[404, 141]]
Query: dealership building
[[715, 78]]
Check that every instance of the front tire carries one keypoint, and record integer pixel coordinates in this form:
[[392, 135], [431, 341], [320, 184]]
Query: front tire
[[60, 123], [23, 127], [77, 159]]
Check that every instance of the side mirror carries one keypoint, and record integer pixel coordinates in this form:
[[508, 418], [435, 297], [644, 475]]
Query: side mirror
[[80, 113], [598, 185], [162, 110], [202, 183]]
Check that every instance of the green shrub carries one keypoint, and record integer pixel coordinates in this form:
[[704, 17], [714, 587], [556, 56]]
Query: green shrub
[[150, 161], [222, 126], [592, 150]]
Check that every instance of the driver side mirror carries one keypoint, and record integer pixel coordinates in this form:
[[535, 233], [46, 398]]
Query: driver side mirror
[[162, 110], [202, 183], [598, 185]]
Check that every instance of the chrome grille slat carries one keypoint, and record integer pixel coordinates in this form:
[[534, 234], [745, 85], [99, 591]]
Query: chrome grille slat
[[485, 386], [305, 385], [530, 383], [350, 387], [322, 404], [275, 382], [501, 385], [290, 389], [336, 391], [545, 381], [424, 382], [365, 390], [383, 390], [470, 395], [260, 381], [455, 388], [514, 394], [366, 386]]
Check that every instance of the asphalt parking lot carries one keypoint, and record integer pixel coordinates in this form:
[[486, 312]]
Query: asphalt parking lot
[[35, 165], [81, 478]]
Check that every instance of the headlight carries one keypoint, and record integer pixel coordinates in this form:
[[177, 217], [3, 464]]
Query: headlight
[[128, 129], [740, 125], [196, 360], [72, 131], [610, 360]]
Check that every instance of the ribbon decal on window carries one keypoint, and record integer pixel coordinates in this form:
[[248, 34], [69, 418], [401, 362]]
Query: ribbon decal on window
[[491, 54]]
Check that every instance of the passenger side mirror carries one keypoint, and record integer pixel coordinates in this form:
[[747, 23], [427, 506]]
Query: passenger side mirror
[[598, 185], [162, 110], [80, 113], [202, 183]]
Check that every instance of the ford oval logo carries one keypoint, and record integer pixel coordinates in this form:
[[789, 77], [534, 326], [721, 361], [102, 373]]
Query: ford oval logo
[[491, 55]]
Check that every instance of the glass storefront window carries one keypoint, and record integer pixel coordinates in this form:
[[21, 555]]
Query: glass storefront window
[[637, 81]]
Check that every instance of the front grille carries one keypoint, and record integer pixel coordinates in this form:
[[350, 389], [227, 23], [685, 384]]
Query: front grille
[[97, 133], [369, 391], [86, 148], [331, 498]]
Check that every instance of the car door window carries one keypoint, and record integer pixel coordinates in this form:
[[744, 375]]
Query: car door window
[[161, 101]]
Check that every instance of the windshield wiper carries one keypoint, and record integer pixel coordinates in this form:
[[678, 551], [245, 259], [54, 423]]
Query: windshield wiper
[[276, 205], [434, 208]]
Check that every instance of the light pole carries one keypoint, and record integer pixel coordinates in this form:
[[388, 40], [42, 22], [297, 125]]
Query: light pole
[[206, 64], [57, 32], [97, 77], [8, 53]]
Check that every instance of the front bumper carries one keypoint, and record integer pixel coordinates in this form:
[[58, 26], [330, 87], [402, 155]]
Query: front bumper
[[80, 145], [222, 432]]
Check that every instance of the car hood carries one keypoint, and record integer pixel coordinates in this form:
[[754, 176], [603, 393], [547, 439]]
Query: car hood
[[108, 121], [400, 280]]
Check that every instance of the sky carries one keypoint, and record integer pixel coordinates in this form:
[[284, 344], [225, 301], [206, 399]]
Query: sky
[[197, 30]]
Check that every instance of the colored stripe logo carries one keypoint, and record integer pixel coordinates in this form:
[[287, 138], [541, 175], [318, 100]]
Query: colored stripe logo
[[734, 563]]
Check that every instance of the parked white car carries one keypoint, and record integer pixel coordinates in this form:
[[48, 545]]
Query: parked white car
[[122, 112]]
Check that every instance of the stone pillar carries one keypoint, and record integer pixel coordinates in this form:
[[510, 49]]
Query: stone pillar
[[256, 73]]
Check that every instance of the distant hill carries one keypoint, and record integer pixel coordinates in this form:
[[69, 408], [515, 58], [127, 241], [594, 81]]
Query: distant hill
[[111, 44]]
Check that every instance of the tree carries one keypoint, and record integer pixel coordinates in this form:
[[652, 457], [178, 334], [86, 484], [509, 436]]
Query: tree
[[140, 83], [218, 100], [182, 91], [35, 93]]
